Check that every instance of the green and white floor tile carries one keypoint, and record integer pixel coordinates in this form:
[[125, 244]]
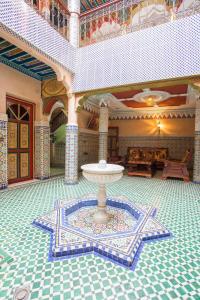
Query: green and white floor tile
[[167, 269]]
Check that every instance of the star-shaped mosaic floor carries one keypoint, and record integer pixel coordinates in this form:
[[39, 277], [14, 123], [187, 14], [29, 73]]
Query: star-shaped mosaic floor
[[73, 232]]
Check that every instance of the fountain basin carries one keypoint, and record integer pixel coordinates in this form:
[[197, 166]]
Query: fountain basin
[[102, 173]]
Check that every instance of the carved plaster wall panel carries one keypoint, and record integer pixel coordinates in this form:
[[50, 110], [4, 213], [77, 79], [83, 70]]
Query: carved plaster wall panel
[[52, 87]]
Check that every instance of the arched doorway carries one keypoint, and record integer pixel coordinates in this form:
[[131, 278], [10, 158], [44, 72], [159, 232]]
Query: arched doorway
[[20, 140], [58, 120]]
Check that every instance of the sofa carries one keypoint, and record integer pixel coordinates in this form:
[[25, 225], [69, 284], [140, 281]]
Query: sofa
[[142, 160]]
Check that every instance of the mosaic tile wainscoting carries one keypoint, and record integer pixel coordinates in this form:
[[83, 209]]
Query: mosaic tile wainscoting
[[42, 151], [176, 145], [58, 155], [196, 175], [3, 151], [88, 150], [71, 154], [88, 147], [166, 270]]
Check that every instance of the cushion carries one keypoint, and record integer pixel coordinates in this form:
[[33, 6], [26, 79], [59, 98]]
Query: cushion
[[134, 154], [148, 154], [161, 154]]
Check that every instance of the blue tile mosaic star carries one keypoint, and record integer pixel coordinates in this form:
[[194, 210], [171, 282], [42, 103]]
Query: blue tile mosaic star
[[122, 247]]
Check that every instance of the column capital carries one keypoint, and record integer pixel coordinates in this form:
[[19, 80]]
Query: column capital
[[3, 117], [41, 123], [72, 106], [74, 6], [103, 103]]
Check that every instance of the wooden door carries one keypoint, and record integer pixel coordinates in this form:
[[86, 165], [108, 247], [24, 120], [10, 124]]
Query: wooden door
[[20, 140], [113, 136]]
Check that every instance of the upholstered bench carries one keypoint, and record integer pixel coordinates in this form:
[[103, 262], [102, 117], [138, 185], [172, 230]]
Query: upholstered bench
[[140, 160]]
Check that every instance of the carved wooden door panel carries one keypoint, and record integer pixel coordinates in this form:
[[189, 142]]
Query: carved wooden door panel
[[20, 140]]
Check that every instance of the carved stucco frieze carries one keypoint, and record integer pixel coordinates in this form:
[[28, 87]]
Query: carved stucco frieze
[[52, 87]]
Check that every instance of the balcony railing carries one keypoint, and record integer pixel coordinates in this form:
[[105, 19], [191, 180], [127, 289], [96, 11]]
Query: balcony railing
[[55, 12], [127, 16]]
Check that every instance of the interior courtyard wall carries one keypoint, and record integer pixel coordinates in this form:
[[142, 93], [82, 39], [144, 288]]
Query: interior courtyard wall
[[175, 134], [20, 86], [14, 83], [88, 143]]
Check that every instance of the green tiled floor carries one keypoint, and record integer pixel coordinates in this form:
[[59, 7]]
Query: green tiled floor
[[56, 171], [168, 269]]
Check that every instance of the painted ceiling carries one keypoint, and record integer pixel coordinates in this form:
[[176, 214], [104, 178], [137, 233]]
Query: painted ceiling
[[87, 5], [23, 62], [166, 96]]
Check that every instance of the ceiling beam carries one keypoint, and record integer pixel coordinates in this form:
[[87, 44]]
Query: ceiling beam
[[27, 60], [21, 54], [7, 49]]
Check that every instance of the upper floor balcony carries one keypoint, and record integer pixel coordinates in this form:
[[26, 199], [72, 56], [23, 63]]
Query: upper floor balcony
[[119, 17], [55, 12], [105, 20]]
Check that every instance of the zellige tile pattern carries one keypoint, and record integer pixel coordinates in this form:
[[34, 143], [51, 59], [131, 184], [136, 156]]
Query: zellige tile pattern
[[167, 269]]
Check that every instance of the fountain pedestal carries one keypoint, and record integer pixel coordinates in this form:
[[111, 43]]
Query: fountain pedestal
[[101, 216], [102, 173]]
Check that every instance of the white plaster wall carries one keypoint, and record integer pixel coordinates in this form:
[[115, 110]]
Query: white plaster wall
[[165, 51], [24, 22]]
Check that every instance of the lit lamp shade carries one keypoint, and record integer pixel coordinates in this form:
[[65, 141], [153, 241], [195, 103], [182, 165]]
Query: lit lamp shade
[[151, 100]]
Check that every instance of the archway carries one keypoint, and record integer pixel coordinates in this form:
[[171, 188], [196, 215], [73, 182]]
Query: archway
[[57, 121]]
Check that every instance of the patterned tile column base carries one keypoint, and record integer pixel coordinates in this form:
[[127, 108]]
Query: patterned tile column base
[[196, 173], [103, 141], [71, 155], [42, 151], [3, 151]]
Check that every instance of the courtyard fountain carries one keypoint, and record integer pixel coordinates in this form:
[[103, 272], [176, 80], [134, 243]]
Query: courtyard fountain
[[113, 227], [102, 173]]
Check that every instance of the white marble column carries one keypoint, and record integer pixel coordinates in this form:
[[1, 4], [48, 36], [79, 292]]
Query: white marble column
[[42, 150], [196, 172], [71, 147], [103, 131], [74, 22]]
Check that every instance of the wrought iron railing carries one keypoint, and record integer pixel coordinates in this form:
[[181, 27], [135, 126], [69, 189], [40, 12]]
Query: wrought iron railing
[[127, 16], [55, 12]]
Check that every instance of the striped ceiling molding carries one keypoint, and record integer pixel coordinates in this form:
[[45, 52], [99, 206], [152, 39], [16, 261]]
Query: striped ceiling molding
[[152, 114], [20, 60], [88, 5], [143, 114]]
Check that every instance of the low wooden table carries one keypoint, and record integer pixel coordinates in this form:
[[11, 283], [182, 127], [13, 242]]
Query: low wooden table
[[140, 168]]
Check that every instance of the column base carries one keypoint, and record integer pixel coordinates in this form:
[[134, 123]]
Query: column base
[[3, 186], [42, 177], [101, 216], [71, 182]]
